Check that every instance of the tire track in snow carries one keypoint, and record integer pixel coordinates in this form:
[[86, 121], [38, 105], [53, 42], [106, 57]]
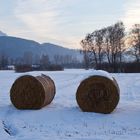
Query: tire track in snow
[[8, 125], [67, 83]]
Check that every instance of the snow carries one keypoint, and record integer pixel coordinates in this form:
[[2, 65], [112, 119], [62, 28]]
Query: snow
[[2, 33], [98, 73], [62, 119]]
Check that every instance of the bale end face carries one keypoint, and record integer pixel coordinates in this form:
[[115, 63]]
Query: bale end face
[[98, 94], [27, 93]]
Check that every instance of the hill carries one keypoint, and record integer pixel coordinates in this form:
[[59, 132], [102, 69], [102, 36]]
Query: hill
[[14, 47]]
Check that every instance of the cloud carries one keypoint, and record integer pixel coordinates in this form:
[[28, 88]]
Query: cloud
[[45, 19], [64, 22], [36, 15], [131, 13]]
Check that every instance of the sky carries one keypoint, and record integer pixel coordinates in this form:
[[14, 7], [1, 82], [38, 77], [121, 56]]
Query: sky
[[64, 22]]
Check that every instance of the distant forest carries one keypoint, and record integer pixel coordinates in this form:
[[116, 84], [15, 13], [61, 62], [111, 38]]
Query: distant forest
[[29, 62], [113, 48]]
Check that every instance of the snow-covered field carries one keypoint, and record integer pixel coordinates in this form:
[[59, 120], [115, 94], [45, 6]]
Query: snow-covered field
[[63, 119]]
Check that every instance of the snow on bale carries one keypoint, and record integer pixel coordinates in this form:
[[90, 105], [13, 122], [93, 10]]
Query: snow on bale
[[29, 92], [99, 92]]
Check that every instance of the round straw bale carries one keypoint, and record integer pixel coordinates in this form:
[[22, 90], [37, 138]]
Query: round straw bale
[[98, 94], [28, 92]]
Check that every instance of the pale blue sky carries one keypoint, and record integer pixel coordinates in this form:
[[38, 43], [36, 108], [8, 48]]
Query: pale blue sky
[[64, 22]]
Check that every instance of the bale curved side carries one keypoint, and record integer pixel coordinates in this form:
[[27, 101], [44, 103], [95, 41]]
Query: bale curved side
[[97, 94], [49, 88], [117, 85]]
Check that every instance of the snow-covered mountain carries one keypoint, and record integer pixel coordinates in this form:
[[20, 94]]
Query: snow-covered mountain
[[2, 34], [15, 47]]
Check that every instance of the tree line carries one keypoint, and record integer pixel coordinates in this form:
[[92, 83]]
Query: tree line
[[29, 61], [108, 47]]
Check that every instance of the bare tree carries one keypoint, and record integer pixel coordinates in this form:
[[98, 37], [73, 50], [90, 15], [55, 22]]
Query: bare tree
[[114, 42], [86, 50], [28, 58], [44, 61], [134, 41], [107, 41], [36, 59], [93, 48], [3, 61], [56, 59]]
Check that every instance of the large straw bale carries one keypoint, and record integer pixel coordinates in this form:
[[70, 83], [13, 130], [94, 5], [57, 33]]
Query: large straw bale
[[98, 93], [29, 92]]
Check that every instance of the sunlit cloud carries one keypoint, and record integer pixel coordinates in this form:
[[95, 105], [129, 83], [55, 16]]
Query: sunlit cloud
[[131, 13], [45, 20]]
